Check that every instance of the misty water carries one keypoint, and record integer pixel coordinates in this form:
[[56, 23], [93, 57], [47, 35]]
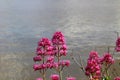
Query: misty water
[[86, 24]]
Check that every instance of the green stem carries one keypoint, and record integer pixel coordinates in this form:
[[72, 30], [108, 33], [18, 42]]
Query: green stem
[[60, 74], [44, 76], [59, 68]]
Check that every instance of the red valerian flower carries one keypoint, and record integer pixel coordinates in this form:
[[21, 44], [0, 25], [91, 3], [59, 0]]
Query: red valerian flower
[[59, 45], [93, 67], [58, 38], [37, 58], [93, 55], [44, 47], [50, 59], [117, 78], [39, 79], [65, 63], [59, 50], [44, 42], [117, 48], [44, 50], [54, 77], [107, 58], [37, 67]]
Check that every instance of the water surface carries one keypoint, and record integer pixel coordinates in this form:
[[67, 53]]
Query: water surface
[[85, 24]]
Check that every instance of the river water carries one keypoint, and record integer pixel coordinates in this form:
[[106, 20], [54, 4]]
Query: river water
[[85, 23]]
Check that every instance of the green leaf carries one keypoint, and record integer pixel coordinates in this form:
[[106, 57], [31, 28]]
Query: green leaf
[[103, 79], [107, 78]]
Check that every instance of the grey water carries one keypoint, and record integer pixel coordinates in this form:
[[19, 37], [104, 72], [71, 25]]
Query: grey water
[[86, 24]]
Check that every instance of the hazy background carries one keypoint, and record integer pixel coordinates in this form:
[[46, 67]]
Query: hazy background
[[85, 23]]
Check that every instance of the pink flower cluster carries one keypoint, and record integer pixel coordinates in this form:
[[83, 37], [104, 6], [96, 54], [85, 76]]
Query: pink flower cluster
[[107, 58], [94, 64], [58, 38], [44, 47], [117, 78], [59, 45], [39, 79], [118, 45], [47, 52], [51, 65], [94, 55], [60, 49], [65, 63], [37, 58], [93, 67], [54, 77], [44, 66]]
